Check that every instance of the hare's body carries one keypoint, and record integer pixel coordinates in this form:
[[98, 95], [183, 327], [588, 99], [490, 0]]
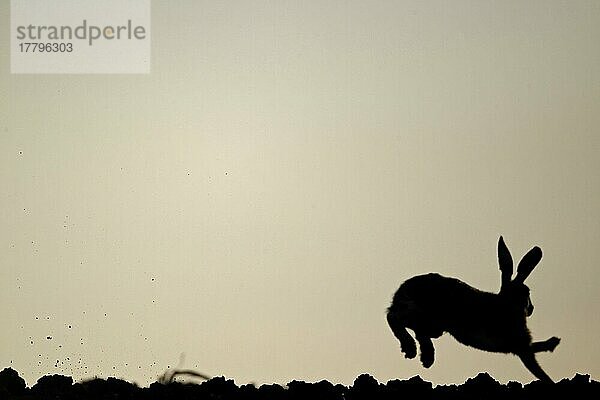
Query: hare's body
[[473, 317], [432, 304]]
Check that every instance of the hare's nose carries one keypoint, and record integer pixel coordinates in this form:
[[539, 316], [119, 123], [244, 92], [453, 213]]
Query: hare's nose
[[530, 309]]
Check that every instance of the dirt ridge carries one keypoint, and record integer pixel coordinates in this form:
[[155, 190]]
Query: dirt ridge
[[59, 387]]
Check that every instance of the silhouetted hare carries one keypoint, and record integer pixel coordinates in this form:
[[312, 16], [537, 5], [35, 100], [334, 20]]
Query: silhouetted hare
[[432, 304]]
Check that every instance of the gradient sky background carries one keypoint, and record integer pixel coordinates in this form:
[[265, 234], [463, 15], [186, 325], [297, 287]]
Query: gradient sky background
[[256, 200]]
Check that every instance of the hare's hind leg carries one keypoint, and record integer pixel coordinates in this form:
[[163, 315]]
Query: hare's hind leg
[[407, 343], [427, 350]]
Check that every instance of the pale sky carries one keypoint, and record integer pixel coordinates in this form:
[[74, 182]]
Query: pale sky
[[255, 200]]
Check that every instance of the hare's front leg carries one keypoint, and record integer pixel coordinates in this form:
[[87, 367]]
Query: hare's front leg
[[528, 359], [546, 345]]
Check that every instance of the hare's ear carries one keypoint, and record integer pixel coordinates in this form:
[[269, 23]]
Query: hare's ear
[[528, 263], [505, 261]]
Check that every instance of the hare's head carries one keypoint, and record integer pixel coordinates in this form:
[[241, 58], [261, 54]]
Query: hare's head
[[515, 290]]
